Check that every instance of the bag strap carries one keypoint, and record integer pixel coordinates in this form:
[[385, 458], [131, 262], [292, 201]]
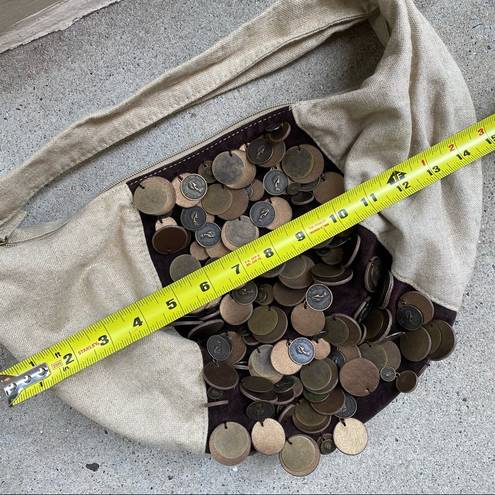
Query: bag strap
[[281, 34]]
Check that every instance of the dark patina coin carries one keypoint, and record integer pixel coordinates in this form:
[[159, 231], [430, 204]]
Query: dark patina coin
[[257, 384], [246, 294], [286, 384], [301, 350], [214, 394], [349, 408], [275, 182], [258, 411], [259, 151], [222, 376], [388, 374], [326, 444], [170, 239], [208, 235], [193, 186], [319, 297], [193, 218], [219, 347], [409, 317]]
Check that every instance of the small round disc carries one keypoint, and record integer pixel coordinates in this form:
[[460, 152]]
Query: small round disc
[[255, 190], [218, 199], [230, 169], [183, 265], [170, 239], [257, 384], [332, 404], [216, 251], [283, 212], [229, 443], [307, 321], [301, 351], [313, 178], [300, 455], [246, 294], [317, 375], [359, 377], [308, 418], [208, 235], [265, 295], [336, 330], [279, 133], [234, 313], [447, 340], [240, 202], [205, 171], [406, 381], [326, 444], [268, 437], [409, 317], [222, 376], [154, 196], [260, 150], [374, 353], [288, 297], [297, 163], [263, 320], [319, 297], [180, 199], [262, 214], [350, 436], [193, 187], [322, 348], [394, 357], [260, 410], [260, 365], [415, 346], [238, 348], [331, 186], [349, 408], [218, 347], [388, 374], [279, 331], [422, 302], [237, 233], [275, 182], [214, 394], [198, 251], [281, 360]]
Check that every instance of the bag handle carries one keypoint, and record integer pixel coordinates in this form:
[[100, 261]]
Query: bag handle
[[281, 34]]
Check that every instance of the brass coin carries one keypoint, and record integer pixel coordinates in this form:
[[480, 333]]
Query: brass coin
[[257, 384], [447, 340], [255, 190], [278, 332], [234, 313], [180, 199], [222, 376], [297, 163], [422, 302], [415, 346], [183, 265], [229, 443], [268, 437], [318, 375], [154, 196], [374, 353], [260, 411], [217, 250], [394, 357], [232, 169], [265, 294], [237, 233], [409, 317], [260, 150], [238, 348], [164, 222], [312, 179], [406, 381], [307, 416], [205, 171], [359, 377], [288, 297], [281, 361], [307, 321], [300, 455], [322, 348], [350, 436], [170, 239], [279, 132], [218, 199], [198, 251], [246, 294], [331, 186], [263, 320], [260, 365], [283, 212], [206, 328], [332, 404], [240, 202], [336, 330], [208, 235], [193, 187]]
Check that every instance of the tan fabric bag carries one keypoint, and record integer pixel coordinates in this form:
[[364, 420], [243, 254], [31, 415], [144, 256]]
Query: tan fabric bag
[[74, 273]]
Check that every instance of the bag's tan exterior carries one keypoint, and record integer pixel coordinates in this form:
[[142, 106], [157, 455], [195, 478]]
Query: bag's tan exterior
[[98, 262]]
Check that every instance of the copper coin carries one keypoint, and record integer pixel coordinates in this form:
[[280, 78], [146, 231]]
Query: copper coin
[[378, 324], [260, 150], [268, 437], [278, 332], [278, 153], [317, 168], [332, 404], [322, 271], [237, 233], [263, 320], [198, 251], [257, 384], [294, 268], [238, 348], [331, 186], [374, 353], [154, 196], [349, 352], [300, 455], [274, 272], [359, 377], [216, 251], [314, 398], [355, 330], [255, 190], [422, 302], [183, 265], [350, 436], [164, 222], [205, 171], [415, 346], [218, 199], [240, 202], [170, 239], [336, 330], [394, 357], [406, 381], [318, 375], [222, 376], [229, 443], [283, 212], [333, 256], [260, 364], [281, 361], [232, 169], [307, 321], [447, 340], [288, 297], [234, 313], [297, 163], [322, 348]]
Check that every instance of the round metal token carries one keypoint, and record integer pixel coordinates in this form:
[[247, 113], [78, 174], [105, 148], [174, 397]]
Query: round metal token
[[336, 330], [259, 410], [350, 436], [222, 376], [246, 294], [300, 455], [238, 348], [326, 444], [388, 374], [275, 182], [332, 404], [154, 196], [279, 133], [409, 317], [265, 294], [193, 218], [307, 321], [240, 202], [297, 163], [322, 348], [183, 265], [394, 357], [194, 187], [319, 297], [288, 297], [260, 365], [208, 235], [415, 346], [331, 186], [447, 340], [257, 384], [231, 169], [310, 181], [374, 353], [278, 332], [229, 443], [420, 301], [259, 151], [406, 381], [262, 213], [199, 252], [286, 384], [255, 190], [281, 360], [319, 375], [234, 313], [263, 320], [237, 233], [359, 377], [218, 347], [218, 199], [283, 212], [164, 222], [302, 351], [170, 239], [214, 394], [205, 171], [268, 437], [349, 409]]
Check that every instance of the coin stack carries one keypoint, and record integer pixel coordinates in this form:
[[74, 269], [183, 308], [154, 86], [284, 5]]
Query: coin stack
[[279, 359]]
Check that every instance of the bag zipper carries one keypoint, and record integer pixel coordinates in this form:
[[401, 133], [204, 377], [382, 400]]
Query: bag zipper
[[157, 164]]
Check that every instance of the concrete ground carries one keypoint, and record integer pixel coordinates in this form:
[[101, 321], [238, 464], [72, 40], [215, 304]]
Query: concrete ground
[[439, 439]]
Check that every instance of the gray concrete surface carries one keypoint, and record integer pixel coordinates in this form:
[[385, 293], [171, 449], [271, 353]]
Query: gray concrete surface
[[439, 439]]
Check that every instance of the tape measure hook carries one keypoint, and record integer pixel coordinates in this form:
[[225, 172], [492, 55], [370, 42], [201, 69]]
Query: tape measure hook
[[13, 385]]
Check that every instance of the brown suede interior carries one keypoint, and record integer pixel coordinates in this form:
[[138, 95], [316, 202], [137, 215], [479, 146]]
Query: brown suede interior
[[347, 298]]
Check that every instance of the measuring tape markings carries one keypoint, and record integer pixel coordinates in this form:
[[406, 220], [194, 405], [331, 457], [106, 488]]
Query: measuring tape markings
[[155, 311]]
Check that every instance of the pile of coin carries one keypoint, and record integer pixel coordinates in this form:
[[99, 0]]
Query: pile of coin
[[281, 359]]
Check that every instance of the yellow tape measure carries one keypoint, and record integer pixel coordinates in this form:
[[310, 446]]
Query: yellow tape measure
[[119, 330]]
